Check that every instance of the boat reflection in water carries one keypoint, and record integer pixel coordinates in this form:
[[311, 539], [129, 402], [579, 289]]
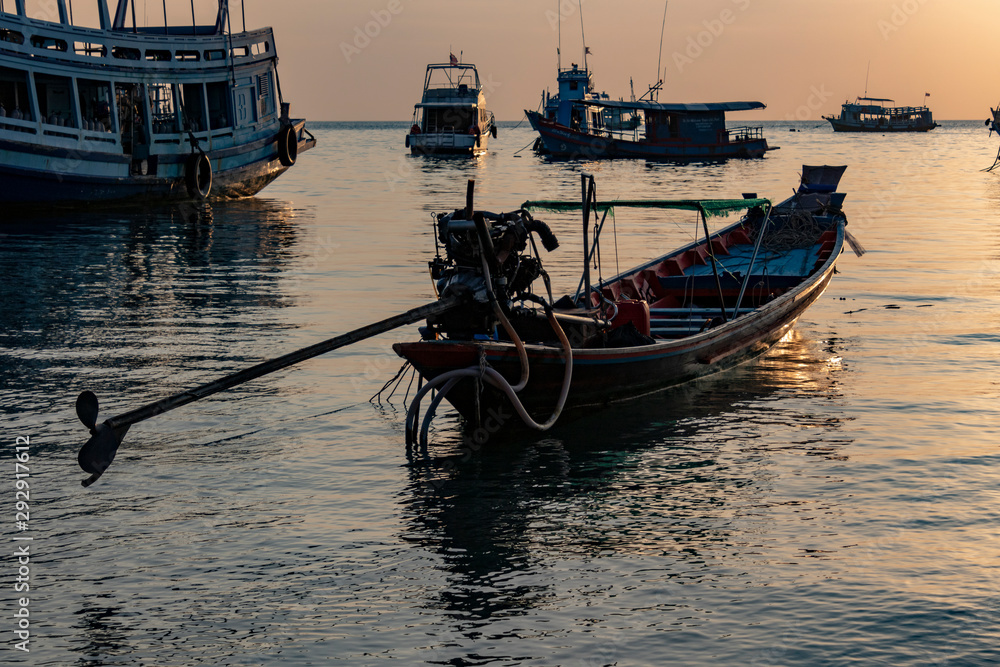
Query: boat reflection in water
[[144, 288], [685, 476]]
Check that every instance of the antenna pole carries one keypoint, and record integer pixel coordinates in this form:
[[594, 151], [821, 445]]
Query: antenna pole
[[866, 77], [659, 58], [583, 36], [559, 45]]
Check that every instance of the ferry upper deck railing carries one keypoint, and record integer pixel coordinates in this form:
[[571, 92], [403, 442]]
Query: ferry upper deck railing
[[876, 110], [60, 42], [746, 133]]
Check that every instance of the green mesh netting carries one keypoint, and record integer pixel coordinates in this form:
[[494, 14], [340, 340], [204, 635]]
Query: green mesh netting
[[710, 207]]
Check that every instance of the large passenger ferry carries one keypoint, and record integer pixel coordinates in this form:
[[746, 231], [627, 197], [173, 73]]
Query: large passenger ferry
[[186, 109]]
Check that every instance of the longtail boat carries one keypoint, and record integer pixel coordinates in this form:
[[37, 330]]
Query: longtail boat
[[702, 308]]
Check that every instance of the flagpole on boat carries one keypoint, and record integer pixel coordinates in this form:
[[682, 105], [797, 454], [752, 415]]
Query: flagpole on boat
[[99, 451]]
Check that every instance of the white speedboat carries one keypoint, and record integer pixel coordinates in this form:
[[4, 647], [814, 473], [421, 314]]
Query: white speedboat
[[126, 111], [451, 116]]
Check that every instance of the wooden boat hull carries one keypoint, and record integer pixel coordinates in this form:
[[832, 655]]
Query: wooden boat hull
[[608, 375], [564, 142]]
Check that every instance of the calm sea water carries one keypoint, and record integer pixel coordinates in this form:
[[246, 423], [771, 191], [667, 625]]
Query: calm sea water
[[834, 503]]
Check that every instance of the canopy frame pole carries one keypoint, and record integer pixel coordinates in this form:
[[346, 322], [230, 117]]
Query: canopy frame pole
[[715, 268], [587, 187], [753, 259], [597, 236]]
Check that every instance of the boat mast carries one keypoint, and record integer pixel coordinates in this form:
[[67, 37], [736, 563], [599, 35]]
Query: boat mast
[[583, 36], [659, 58], [559, 44]]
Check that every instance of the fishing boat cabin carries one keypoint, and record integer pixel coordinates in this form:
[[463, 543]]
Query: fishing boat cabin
[[576, 85], [116, 109]]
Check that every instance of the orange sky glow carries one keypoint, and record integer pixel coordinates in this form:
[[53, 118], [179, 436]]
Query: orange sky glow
[[365, 59]]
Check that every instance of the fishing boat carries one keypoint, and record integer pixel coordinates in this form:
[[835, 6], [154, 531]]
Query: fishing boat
[[451, 117], [702, 308], [680, 132], [182, 110], [879, 114]]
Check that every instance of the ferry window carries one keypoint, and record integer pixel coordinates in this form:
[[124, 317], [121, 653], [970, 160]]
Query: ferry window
[[55, 102], [157, 55], [265, 96], [260, 48], [161, 101], [125, 53], [573, 85], [43, 42], [240, 51], [11, 36], [187, 56], [215, 54], [95, 104], [14, 100], [193, 107], [218, 104], [131, 115], [90, 49]]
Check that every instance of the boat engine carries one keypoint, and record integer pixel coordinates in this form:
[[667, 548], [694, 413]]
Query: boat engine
[[485, 262]]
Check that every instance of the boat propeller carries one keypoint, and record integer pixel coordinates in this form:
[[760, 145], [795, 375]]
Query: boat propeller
[[97, 454], [99, 451]]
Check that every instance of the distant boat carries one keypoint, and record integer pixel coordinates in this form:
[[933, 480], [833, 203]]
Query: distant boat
[[125, 111], [451, 116], [669, 131], [993, 122], [878, 114]]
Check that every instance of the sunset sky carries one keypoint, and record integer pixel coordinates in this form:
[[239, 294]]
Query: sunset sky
[[365, 59], [802, 58]]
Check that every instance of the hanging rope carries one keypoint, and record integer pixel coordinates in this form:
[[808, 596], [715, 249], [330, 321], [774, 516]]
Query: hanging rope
[[397, 379]]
